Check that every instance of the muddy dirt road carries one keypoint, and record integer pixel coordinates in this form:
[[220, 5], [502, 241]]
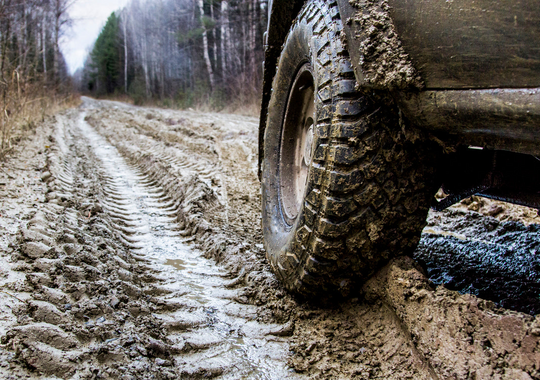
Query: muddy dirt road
[[131, 248]]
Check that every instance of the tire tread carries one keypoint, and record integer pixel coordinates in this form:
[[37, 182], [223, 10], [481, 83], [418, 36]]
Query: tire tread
[[366, 198]]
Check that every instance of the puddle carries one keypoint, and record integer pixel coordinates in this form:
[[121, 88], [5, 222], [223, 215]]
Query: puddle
[[145, 220]]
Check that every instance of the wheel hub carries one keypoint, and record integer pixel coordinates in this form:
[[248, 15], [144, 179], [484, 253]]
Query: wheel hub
[[296, 143]]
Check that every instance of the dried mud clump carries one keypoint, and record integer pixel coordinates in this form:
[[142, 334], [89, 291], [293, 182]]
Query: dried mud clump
[[383, 61]]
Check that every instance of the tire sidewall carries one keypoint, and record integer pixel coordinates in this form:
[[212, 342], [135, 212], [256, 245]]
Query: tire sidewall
[[278, 234]]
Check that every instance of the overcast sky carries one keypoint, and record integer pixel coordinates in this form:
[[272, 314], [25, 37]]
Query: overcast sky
[[89, 17]]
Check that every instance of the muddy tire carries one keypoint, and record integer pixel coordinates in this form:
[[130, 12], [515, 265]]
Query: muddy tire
[[366, 189]]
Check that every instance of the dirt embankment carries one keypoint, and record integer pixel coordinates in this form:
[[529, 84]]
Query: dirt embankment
[[131, 248]]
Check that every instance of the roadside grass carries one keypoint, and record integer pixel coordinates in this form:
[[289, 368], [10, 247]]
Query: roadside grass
[[24, 104], [245, 106]]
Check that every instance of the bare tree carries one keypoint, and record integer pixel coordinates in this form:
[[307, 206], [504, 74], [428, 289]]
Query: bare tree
[[192, 50], [27, 37], [61, 21], [225, 37], [205, 46]]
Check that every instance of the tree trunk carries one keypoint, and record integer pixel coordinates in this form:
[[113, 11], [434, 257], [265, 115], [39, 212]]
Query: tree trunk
[[213, 35], [44, 45], [124, 22], [145, 67], [56, 56], [205, 47], [224, 37], [253, 43]]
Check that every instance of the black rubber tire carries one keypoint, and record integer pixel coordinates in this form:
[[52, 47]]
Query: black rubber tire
[[369, 186]]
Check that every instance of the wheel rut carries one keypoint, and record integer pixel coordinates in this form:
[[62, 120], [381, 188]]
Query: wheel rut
[[112, 284], [223, 333]]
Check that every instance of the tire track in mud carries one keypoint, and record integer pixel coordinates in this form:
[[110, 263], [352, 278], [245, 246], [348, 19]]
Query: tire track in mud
[[212, 177], [95, 302], [319, 340], [144, 215], [495, 260], [111, 288], [400, 327]]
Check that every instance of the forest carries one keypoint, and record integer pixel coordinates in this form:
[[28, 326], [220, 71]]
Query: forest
[[173, 53], [33, 73], [180, 53]]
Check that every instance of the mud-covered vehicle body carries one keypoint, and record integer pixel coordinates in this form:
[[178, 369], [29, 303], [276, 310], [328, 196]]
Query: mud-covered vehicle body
[[369, 107]]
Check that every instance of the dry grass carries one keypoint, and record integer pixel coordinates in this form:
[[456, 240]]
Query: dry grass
[[23, 104], [240, 95], [245, 95], [244, 109], [245, 105]]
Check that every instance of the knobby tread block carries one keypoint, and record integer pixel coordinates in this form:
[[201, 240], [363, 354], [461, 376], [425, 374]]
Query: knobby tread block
[[345, 87]]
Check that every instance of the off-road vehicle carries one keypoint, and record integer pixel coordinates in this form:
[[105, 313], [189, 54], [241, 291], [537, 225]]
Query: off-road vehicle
[[371, 106]]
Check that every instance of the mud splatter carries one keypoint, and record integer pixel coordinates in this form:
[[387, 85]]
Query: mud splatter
[[384, 63]]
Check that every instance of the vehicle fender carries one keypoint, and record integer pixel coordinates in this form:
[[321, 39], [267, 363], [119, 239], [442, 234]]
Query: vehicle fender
[[454, 44]]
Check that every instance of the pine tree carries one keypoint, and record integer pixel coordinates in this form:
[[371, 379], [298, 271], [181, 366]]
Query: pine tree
[[106, 58]]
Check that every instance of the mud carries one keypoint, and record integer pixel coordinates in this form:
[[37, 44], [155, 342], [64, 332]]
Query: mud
[[131, 248], [106, 283], [497, 261], [383, 61]]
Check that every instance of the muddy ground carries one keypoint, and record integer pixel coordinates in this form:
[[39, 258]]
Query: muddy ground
[[131, 248]]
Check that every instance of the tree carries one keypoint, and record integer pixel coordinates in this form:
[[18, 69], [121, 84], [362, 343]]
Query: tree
[[106, 57], [190, 50], [61, 21], [206, 53], [29, 34]]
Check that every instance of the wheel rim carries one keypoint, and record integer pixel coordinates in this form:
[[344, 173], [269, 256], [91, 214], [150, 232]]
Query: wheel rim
[[296, 143]]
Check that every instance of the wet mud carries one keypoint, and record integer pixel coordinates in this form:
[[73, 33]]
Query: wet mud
[[497, 261], [384, 62], [131, 247], [111, 285]]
